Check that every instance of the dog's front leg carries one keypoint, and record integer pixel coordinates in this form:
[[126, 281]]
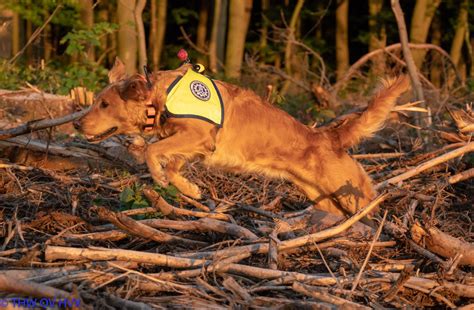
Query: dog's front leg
[[172, 152], [137, 148], [185, 186]]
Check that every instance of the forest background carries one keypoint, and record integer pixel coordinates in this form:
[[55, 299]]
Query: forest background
[[297, 48]]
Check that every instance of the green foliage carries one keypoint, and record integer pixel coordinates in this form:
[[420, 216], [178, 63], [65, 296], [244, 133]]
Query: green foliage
[[470, 85], [78, 39], [169, 193], [132, 198], [183, 15], [54, 77], [36, 11]]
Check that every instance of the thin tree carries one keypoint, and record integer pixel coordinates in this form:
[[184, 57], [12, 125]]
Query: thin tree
[[9, 32], [436, 34], [460, 34], [202, 28], [127, 37], [239, 18], [112, 38], [289, 47], [423, 14], [265, 5], [157, 31], [141, 41], [222, 33], [15, 33], [214, 35], [342, 38], [412, 70], [377, 34], [86, 12]]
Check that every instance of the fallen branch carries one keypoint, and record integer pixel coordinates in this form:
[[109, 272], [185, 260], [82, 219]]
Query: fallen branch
[[390, 48], [203, 224], [138, 229], [28, 288], [168, 210], [443, 244], [427, 165], [51, 148], [262, 248], [431, 285], [53, 253], [324, 295], [40, 124]]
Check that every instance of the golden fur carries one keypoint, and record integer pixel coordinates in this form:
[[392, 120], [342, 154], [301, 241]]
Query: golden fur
[[257, 137]]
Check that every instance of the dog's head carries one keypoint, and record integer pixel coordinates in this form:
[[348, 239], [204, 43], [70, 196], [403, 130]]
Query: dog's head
[[119, 108]]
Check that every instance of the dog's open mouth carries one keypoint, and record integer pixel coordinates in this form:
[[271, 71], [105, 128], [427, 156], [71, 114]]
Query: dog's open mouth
[[101, 136]]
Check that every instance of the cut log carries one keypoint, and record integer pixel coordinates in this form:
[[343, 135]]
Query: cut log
[[443, 244]]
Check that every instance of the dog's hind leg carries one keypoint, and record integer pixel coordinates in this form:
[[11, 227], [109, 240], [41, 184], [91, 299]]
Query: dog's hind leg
[[353, 189], [321, 201], [185, 186]]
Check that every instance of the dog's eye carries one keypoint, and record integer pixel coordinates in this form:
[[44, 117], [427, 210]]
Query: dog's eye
[[104, 104]]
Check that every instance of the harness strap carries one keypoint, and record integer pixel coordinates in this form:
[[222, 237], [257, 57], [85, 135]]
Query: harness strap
[[150, 117]]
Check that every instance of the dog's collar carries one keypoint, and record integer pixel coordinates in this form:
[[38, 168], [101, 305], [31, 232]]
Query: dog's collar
[[150, 117]]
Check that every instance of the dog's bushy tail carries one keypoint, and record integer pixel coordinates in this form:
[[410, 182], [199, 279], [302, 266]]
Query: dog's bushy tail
[[373, 118]]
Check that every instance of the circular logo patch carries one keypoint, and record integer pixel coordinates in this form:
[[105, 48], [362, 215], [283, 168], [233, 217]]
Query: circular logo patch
[[200, 90]]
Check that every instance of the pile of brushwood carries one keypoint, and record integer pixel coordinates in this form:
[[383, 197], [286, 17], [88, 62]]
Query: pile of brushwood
[[101, 235]]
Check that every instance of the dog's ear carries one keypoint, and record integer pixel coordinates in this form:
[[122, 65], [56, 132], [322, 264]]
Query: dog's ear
[[134, 89], [117, 72]]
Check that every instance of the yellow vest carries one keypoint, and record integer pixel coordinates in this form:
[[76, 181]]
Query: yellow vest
[[196, 96]]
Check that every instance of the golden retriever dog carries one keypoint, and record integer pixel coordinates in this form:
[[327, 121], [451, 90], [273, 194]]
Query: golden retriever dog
[[256, 137]]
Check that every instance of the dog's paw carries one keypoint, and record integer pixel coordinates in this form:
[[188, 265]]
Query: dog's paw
[[138, 154], [191, 190], [161, 180]]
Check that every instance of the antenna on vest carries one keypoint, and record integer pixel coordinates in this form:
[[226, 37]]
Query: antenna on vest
[[183, 56], [147, 76]]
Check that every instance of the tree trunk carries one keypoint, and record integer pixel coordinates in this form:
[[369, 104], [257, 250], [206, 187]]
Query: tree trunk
[[402, 29], [6, 18], [221, 33], [470, 56], [157, 31], [264, 29], [214, 34], [239, 18], [47, 45], [289, 48], [342, 38], [29, 50], [141, 41], [460, 35], [377, 33], [127, 37], [112, 38], [86, 12], [320, 12], [420, 24], [15, 33], [102, 51], [202, 29], [435, 74]]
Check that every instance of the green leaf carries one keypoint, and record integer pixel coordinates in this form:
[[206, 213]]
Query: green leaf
[[127, 195]]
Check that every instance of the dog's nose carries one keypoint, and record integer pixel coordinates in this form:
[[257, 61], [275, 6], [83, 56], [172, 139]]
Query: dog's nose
[[77, 124]]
